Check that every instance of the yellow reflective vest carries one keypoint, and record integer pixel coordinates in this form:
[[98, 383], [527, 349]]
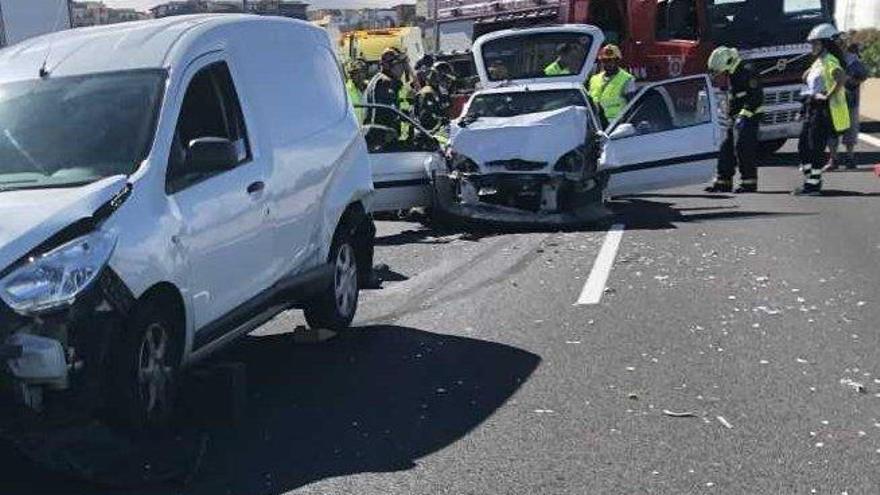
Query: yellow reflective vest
[[836, 103], [610, 94], [555, 69], [356, 97]]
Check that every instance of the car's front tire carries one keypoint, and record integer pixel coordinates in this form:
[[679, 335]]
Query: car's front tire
[[336, 306]]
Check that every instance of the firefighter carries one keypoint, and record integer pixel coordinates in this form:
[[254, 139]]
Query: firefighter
[[385, 89], [612, 88], [740, 147], [569, 59], [355, 83], [825, 108], [433, 101]]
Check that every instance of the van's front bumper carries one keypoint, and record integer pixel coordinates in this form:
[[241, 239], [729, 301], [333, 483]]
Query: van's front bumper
[[521, 199]]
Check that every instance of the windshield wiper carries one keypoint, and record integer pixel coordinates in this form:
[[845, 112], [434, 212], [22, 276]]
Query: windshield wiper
[[22, 185]]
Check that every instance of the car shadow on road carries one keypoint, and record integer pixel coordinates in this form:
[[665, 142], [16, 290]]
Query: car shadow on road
[[637, 213], [375, 399]]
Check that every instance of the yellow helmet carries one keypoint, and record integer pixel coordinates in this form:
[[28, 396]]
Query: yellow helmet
[[610, 52], [723, 59]]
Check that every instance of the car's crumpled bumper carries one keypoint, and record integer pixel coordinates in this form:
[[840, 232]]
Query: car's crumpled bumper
[[457, 196]]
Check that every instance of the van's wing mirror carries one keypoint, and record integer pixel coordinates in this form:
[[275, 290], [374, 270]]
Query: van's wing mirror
[[210, 155], [623, 131]]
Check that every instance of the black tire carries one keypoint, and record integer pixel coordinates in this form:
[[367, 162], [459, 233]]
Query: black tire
[[334, 309], [146, 358], [767, 148]]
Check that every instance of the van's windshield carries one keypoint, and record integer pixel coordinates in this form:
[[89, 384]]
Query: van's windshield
[[67, 131]]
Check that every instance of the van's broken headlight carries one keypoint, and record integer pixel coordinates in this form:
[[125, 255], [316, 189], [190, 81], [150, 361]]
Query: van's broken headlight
[[54, 279]]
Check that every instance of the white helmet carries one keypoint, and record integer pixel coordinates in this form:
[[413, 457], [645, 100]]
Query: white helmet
[[723, 59], [823, 32]]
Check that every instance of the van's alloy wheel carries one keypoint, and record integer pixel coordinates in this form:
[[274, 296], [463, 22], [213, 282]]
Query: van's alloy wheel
[[335, 308], [345, 283], [155, 373]]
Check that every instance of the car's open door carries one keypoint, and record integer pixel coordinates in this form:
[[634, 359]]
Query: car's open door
[[403, 157], [668, 136]]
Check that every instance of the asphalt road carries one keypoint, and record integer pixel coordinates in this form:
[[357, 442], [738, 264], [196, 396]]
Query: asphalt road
[[472, 371]]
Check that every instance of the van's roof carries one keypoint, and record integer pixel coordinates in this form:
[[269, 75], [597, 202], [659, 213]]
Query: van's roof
[[116, 47]]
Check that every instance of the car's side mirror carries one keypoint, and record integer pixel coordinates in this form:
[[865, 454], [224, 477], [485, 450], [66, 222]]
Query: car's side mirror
[[210, 155], [623, 131]]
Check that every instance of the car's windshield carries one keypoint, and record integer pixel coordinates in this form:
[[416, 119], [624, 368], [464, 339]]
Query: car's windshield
[[65, 131], [759, 23], [520, 103]]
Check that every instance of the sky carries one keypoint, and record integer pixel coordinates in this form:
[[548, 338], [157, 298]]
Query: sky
[[146, 4]]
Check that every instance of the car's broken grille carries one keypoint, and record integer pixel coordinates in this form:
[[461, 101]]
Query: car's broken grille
[[517, 165]]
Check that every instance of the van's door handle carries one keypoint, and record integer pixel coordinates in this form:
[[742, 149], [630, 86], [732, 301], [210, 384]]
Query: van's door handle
[[256, 187]]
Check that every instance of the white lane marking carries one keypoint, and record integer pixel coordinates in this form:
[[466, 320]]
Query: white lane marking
[[595, 286], [870, 140]]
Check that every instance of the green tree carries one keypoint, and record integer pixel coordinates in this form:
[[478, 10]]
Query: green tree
[[869, 40]]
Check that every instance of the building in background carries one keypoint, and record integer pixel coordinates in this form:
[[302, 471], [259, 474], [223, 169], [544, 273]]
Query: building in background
[[97, 13], [406, 14], [858, 14], [286, 8]]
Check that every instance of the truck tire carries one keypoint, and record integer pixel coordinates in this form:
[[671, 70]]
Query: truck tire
[[146, 361], [334, 309], [767, 148]]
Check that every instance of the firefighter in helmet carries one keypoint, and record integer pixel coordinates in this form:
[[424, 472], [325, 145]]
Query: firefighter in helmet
[[740, 147], [826, 112], [356, 83], [385, 88], [569, 60], [613, 87], [433, 100]]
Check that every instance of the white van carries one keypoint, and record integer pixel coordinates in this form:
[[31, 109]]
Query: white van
[[165, 187]]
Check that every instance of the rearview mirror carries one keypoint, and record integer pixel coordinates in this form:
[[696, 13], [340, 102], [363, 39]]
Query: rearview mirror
[[210, 155], [623, 131]]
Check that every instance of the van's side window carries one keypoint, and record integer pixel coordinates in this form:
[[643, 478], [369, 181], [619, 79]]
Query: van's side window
[[210, 109]]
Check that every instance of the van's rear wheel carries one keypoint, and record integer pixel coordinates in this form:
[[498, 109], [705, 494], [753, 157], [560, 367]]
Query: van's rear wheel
[[335, 308]]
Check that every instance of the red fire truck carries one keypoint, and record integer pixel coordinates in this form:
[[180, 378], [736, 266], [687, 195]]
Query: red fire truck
[[664, 39]]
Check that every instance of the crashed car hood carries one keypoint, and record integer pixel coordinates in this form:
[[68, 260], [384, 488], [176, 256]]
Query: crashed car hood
[[539, 137], [31, 216]]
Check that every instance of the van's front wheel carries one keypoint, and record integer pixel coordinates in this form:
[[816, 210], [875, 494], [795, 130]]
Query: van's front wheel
[[335, 308]]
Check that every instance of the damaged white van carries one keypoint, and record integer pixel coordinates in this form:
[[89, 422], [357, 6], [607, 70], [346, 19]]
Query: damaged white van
[[530, 148], [165, 187]]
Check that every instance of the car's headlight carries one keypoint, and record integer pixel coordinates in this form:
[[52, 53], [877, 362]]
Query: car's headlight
[[54, 279], [573, 161], [459, 162]]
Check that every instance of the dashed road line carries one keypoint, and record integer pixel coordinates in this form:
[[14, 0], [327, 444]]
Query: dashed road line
[[595, 286]]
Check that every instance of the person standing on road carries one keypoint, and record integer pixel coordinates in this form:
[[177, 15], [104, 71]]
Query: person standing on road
[[856, 74], [433, 102], [355, 84], [740, 147], [825, 110], [384, 89], [612, 88]]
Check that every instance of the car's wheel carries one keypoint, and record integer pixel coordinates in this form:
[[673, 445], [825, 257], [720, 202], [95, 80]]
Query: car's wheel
[[767, 148], [335, 308], [143, 389]]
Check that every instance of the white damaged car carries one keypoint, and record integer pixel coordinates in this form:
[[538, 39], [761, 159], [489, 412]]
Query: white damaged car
[[530, 148]]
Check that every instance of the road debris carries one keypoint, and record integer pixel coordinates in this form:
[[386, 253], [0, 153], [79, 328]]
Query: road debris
[[857, 386], [724, 422], [675, 414]]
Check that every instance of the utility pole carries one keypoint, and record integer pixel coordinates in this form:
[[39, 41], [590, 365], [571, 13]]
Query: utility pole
[[435, 10]]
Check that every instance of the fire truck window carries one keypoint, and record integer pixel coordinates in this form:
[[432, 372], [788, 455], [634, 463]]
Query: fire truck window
[[677, 20], [607, 16]]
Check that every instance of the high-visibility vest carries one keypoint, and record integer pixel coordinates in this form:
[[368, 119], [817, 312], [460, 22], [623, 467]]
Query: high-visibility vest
[[355, 96], [837, 103], [555, 69], [610, 94]]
